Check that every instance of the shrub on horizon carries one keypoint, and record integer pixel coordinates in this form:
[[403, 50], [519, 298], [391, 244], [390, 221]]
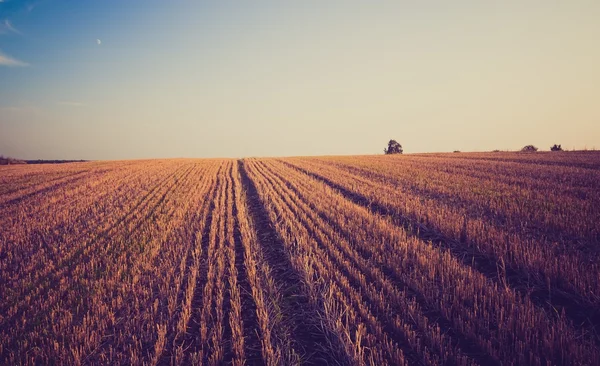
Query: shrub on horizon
[[529, 148]]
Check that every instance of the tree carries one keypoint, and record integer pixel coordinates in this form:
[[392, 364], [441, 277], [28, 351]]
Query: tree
[[393, 148], [529, 148], [5, 160], [556, 148]]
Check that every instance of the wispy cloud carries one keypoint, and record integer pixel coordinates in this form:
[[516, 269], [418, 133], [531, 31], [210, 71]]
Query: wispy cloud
[[72, 103], [7, 27], [20, 107], [6, 60]]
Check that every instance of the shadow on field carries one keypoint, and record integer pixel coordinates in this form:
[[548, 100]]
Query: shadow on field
[[435, 317], [554, 302], [252, 344], [308, 338]]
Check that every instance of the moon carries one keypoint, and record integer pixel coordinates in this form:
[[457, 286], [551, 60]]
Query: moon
[[99, 42]]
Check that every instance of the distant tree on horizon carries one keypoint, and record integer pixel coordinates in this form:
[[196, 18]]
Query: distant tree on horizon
[[393, 148], [529, 148], [556, 148], [6, 160]]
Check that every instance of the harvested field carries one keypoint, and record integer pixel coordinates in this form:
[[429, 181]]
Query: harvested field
[[432, 259]]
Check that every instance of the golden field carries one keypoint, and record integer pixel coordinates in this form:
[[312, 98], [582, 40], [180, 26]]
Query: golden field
[[432, 259]]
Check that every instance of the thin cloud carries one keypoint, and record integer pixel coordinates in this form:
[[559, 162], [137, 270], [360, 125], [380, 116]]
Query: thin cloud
[[8, 25], [72, 104], [6, 60], [20, 107]]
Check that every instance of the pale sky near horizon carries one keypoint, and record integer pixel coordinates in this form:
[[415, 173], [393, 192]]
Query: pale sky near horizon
[[157, 79]]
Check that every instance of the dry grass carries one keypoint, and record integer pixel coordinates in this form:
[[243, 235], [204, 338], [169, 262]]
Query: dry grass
[[434, 259]]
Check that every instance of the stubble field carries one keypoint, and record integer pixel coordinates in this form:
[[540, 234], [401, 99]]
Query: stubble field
[[457, 259]]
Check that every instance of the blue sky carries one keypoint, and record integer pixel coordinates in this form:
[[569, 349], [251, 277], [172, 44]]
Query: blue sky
[[152, 79]]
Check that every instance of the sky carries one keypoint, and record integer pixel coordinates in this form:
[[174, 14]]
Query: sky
[[159, 79]]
